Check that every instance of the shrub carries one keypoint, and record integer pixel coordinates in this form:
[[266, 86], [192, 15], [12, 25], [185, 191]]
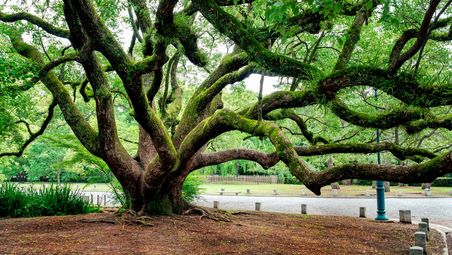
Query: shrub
[[442, 182], [191, 187], [47, 201], [362, 182], [11, 200]]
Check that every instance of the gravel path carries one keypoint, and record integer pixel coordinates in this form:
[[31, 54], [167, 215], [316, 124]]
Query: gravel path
[[439, 210]]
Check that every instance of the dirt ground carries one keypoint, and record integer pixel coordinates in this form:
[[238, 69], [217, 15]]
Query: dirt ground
[[449, 242], [253, 233]]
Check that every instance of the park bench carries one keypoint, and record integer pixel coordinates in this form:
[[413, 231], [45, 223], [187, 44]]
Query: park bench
[[229, 192]]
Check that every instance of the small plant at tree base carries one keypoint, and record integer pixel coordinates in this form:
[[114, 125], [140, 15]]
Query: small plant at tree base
[[191, 187]]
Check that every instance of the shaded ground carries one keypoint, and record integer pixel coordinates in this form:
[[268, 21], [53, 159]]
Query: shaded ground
[[449, 242], [255, 233]]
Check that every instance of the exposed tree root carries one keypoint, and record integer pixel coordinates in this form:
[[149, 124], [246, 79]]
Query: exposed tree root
[[241, 213], [128, 217], [205, 213]]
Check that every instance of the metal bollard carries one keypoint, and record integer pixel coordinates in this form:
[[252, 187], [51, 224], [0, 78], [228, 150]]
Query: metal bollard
[[405, 216], [420, 239], [423, 227], [426, 220], [362, 212], [257, 206], [416, 250]]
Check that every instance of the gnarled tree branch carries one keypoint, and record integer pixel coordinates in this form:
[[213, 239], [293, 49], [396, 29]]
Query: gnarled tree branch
[[33, 136], [49, 28]]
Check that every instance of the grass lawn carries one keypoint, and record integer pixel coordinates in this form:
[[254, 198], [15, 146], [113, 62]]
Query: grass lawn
[[300, 190]]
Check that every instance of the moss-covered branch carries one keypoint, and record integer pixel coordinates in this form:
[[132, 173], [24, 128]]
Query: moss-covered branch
[[415, 118], [49, 28], [191, 9], [282, 100], [437, 122], [224, 120], [353, 36], [230, 78], [403, 86], [396, 150], [267, 160], [424, 172], [194, 113]]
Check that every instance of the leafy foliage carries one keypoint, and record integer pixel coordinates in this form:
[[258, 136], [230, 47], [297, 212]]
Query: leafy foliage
[[46, 201]]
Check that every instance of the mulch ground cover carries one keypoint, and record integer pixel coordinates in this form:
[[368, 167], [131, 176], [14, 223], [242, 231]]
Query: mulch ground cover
[[247, 233]]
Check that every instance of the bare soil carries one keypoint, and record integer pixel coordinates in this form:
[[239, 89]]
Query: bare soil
[[249, 233], [449, 242]]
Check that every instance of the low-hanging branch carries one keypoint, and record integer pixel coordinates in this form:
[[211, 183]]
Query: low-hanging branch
[[223, 121], [267, 160], [424, 172]]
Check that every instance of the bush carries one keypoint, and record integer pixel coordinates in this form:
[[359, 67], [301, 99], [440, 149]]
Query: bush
[[47, 201], [11, 200], [191, 187], [362, 182], [442, 182]]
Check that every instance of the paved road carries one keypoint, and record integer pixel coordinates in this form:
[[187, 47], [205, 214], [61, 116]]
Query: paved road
[[439, 210]]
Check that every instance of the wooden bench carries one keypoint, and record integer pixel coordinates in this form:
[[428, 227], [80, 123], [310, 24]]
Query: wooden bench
[[229, 192]]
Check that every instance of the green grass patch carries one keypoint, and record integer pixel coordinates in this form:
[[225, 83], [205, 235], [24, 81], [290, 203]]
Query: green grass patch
[[46, 201], [301, 190]]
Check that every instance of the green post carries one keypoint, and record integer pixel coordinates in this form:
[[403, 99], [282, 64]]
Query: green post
[[381, 211]]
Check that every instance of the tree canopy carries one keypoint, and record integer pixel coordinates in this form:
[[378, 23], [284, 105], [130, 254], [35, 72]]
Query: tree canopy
[[173, 81]]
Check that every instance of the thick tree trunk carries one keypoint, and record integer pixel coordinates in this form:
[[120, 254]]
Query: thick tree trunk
[[164, 200]]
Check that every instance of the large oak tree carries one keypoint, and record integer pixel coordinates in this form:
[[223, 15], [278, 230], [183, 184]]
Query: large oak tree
[[270, 38]]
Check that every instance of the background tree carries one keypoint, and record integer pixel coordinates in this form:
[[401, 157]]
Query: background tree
[[330, 55]]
